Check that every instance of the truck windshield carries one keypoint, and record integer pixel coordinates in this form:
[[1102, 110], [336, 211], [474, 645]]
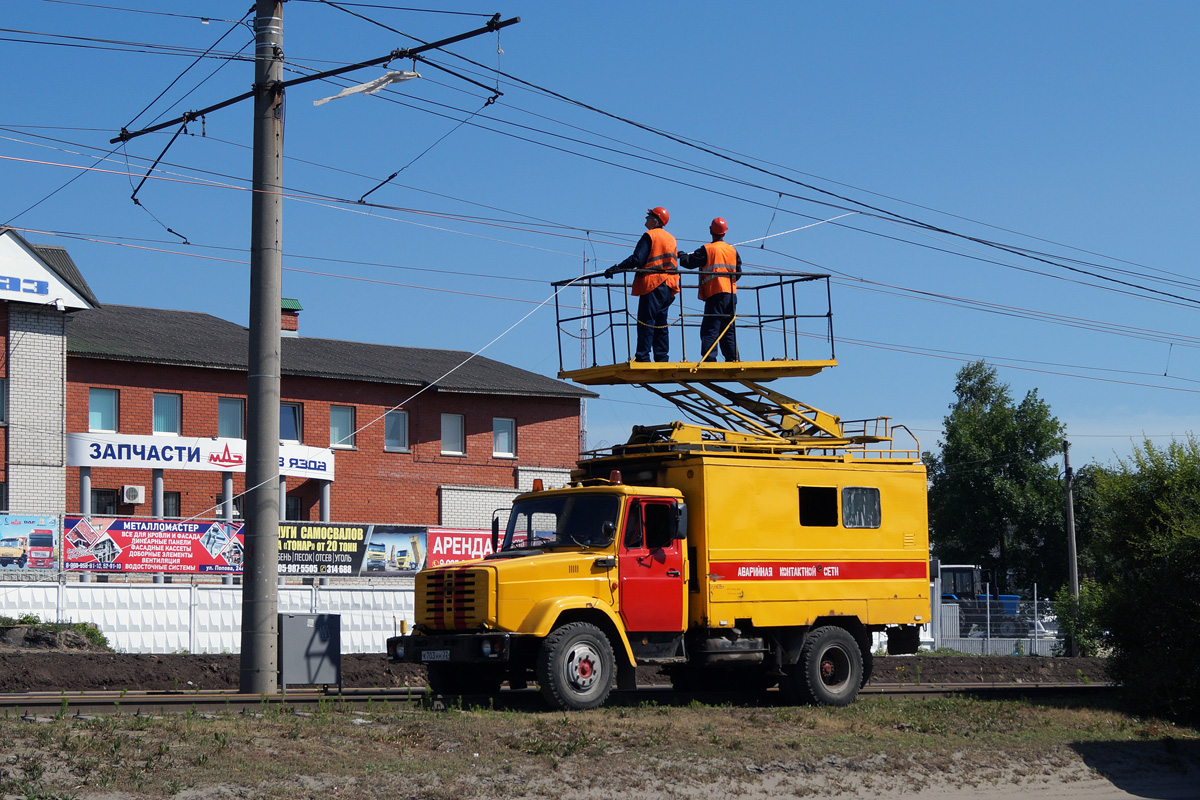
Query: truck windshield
[[576, 520], [10, 542], [41, 540]]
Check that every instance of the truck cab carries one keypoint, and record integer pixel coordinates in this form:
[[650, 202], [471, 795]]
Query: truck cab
[[13, 551]]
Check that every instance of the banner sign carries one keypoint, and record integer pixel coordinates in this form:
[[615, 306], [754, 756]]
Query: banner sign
[[394, 551], [152, 545], [178, 452], [321, 548], [28, 542], [108, 544], [451, 545]]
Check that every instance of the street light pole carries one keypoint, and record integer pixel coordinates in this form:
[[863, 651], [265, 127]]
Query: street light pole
[[1072, 559], [259, 657]]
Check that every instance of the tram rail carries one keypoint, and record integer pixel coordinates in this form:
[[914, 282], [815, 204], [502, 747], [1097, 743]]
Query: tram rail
[[49, 705]]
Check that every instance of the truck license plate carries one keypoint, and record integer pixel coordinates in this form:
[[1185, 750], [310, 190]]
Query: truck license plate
[[435, 655]]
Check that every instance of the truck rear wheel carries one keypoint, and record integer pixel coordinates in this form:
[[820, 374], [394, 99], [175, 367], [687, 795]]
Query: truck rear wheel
[[576, 667], [830, 669]]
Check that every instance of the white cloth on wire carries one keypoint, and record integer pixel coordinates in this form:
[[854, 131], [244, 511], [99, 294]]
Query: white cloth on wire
[[370, 87]]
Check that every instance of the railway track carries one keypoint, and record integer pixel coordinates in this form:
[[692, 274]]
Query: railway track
[[48, 705]]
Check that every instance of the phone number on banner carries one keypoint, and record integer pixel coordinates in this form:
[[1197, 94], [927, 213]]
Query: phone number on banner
[[316, 569]]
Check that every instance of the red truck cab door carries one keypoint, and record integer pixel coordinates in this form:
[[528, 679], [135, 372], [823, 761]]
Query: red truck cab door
[[650, 564]]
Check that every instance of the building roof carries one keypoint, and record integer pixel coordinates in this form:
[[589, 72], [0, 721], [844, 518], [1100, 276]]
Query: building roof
[[60, 262], [193, 339]]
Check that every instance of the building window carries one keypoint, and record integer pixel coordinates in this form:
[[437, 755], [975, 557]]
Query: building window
[[3, 496], [504, 437], [341, 426], [167, 414], [219, 506], [231, 411], [818, 506], [291, 509], [395, 431], [171, 505], [454, 441], [860, 507], [291, 415], [104, 502], [3, 400], [102, 410]]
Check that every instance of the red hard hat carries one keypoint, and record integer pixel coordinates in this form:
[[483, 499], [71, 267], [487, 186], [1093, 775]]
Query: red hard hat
[[663, 216], [718, 226]]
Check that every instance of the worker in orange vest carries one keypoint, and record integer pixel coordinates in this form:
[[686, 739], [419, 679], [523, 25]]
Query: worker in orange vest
[[720, 266], [655, 286]]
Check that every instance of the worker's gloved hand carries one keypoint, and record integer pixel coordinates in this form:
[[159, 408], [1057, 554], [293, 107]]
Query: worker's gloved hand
[[608, 273], [679, 256]]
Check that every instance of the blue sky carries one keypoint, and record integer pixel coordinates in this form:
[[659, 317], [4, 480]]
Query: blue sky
[[1068, 128]]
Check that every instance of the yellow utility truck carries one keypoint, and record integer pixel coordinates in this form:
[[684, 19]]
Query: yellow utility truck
[[761, 547]]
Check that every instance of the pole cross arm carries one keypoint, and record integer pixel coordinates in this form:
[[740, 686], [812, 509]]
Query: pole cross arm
[[494, 24]]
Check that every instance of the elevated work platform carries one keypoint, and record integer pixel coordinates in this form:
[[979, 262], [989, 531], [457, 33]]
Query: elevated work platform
[[783, 325], [642, 373], [784, 330]]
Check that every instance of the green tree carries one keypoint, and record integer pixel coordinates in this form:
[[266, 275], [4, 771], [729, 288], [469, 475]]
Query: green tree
[[1147, 518], [994, 498]]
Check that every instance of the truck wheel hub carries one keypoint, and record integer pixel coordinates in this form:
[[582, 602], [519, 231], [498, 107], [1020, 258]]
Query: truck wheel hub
[[582, 668]]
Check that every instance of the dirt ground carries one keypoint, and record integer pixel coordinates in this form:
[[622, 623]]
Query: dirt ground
[[32, 660]]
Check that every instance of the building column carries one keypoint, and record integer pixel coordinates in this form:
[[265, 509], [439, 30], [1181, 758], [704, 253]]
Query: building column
[[156, 502], [85, 491], [227, 496], [282, 498], [325, 485]]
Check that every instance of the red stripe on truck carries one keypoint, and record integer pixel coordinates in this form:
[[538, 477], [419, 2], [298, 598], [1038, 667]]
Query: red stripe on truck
[[816, 570]]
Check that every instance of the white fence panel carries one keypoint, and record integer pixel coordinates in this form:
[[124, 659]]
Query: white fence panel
[[136, 617], [204, 618], [39, 599], [369, 616]]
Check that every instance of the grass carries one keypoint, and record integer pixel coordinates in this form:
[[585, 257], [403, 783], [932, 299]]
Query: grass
[[85, 629], [403, 752]]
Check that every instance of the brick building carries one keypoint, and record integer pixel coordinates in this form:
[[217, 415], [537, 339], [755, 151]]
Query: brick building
[[127, 398]]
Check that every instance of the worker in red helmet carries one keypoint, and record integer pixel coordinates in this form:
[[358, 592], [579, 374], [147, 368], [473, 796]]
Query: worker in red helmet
[[720, 266], [655, 286]]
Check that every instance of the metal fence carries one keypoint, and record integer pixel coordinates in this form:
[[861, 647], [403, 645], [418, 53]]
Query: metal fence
[[992, 628]]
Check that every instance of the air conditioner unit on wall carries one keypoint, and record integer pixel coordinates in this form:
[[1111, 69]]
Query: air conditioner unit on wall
[[136, 495]]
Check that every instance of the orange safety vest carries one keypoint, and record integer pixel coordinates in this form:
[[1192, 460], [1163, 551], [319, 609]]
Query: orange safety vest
[[717, 275], [662, 261]]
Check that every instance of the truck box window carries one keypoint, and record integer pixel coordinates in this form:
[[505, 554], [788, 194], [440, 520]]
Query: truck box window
[[818, 506], [860, 507]]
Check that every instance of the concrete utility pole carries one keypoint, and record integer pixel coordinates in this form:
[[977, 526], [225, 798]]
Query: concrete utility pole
[[259, 661], [1072, 560]]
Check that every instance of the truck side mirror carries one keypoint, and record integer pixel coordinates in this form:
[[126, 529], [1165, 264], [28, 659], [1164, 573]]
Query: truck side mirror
[[495, 534], [609, 531], [679, 521]]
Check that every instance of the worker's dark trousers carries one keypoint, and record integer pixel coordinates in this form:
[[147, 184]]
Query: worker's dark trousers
[[652, 331], [718, 311]]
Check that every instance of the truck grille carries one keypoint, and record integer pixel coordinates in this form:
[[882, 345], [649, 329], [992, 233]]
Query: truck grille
[[452, 598]]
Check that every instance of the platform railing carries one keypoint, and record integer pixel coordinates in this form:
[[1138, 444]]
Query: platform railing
[[781, 316]]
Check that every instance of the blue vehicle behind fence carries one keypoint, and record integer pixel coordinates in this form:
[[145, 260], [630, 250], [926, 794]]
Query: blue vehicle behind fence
[[980, 612]]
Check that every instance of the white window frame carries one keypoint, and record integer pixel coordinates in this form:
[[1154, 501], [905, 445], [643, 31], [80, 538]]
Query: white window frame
[[299, 417], [343, 442], [387, 422], [178, 398], [96, 392], [241, 416], [498, 423], [459, 422]]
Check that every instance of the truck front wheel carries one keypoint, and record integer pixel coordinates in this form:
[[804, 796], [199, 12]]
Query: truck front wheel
[[830, 669], [576, 667]]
